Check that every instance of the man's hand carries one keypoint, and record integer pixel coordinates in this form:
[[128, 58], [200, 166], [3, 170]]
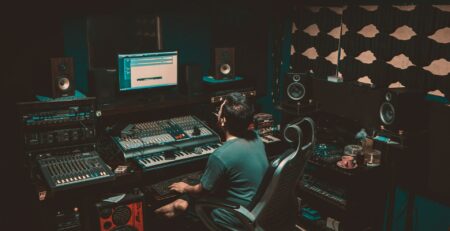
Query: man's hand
[[179, 187]]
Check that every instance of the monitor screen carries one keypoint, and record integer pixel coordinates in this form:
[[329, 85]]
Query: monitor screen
[[147, 70]]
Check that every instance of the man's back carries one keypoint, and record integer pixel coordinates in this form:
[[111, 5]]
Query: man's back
[[235, 171]]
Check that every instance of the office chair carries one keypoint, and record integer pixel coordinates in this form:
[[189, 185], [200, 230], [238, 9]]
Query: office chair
[[275, 206]]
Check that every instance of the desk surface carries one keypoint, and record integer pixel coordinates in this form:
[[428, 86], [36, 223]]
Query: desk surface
[[134, 177]]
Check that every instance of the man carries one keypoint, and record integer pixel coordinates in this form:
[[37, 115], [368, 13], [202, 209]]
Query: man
[[235, 170]]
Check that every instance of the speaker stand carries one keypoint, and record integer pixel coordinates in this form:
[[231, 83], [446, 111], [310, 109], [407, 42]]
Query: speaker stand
[[77, 95], [212, 80]]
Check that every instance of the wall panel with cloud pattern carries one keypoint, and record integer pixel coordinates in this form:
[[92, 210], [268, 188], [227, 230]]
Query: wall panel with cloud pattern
[[384, 45]]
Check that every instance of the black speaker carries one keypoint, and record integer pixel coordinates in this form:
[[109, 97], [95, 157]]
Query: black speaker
[[191, 82], [63, 79], [403, 110], [297, 89], [438, 151], [407, 161], [103, 84], [224, 65]]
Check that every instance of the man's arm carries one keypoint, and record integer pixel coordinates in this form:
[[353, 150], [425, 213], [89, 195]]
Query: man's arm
[[182, 187], [212, 175]]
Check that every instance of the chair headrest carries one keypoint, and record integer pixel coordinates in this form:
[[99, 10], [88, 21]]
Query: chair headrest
[[274, 164], [296, 127]]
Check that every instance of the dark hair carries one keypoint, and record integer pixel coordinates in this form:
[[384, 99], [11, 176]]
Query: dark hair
[[239, 115]]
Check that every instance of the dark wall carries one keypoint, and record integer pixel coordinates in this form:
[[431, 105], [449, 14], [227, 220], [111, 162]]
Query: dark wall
[[31, 36], [183, 28], [193, 28]]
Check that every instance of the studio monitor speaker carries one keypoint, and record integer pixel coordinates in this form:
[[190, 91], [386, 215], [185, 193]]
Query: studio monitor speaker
[[403, 110], [127, 214], [191, 82], [224, 63], [297, 89], [63, 79], [103, 84]]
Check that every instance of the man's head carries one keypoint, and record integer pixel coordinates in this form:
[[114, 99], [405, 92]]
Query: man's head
[[236, 114]]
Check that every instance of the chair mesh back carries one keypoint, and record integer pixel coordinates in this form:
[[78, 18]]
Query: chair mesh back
[[281, 207]]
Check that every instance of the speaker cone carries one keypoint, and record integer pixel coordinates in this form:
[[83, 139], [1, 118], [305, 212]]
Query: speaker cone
[[387, 113], [296, 78], [121, 215], [225, 69], [63, 83], [295, 91]]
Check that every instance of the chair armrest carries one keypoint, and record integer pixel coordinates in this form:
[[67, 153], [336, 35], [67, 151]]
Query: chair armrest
[[204, 205]]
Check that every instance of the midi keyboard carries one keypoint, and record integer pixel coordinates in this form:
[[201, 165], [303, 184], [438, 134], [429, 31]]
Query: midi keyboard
[[164, 159]]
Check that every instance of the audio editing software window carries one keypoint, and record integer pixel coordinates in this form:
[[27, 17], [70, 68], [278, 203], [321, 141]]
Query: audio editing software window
[[147, 70]]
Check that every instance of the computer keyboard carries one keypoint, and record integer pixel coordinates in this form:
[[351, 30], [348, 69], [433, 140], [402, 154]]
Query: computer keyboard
[[162, 191]]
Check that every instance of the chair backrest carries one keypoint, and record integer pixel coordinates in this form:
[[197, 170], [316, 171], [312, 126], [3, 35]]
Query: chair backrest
[[275, 205]]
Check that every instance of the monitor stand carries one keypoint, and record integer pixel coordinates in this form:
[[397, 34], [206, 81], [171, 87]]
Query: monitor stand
[[211, 80], [149, 97], [157, 95]]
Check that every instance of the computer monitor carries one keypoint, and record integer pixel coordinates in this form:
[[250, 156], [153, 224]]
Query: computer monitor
[[147, 70]]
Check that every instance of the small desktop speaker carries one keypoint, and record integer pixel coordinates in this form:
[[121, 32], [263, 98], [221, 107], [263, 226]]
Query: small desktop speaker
[[103, 84], [403, 110], [224, 65], [297, 89], [191, 81], [126, 214], [62, 77]]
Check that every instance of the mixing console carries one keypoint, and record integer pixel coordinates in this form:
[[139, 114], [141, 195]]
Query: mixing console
[[74, 170], [164, 135]]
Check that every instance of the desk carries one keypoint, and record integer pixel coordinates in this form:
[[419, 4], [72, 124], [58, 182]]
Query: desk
[[131, 104]]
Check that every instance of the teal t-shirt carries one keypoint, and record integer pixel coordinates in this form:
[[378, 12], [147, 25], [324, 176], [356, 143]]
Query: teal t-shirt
[[234, 172]]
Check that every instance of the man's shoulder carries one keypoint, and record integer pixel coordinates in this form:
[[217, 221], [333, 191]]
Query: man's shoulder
[[236, 146]]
